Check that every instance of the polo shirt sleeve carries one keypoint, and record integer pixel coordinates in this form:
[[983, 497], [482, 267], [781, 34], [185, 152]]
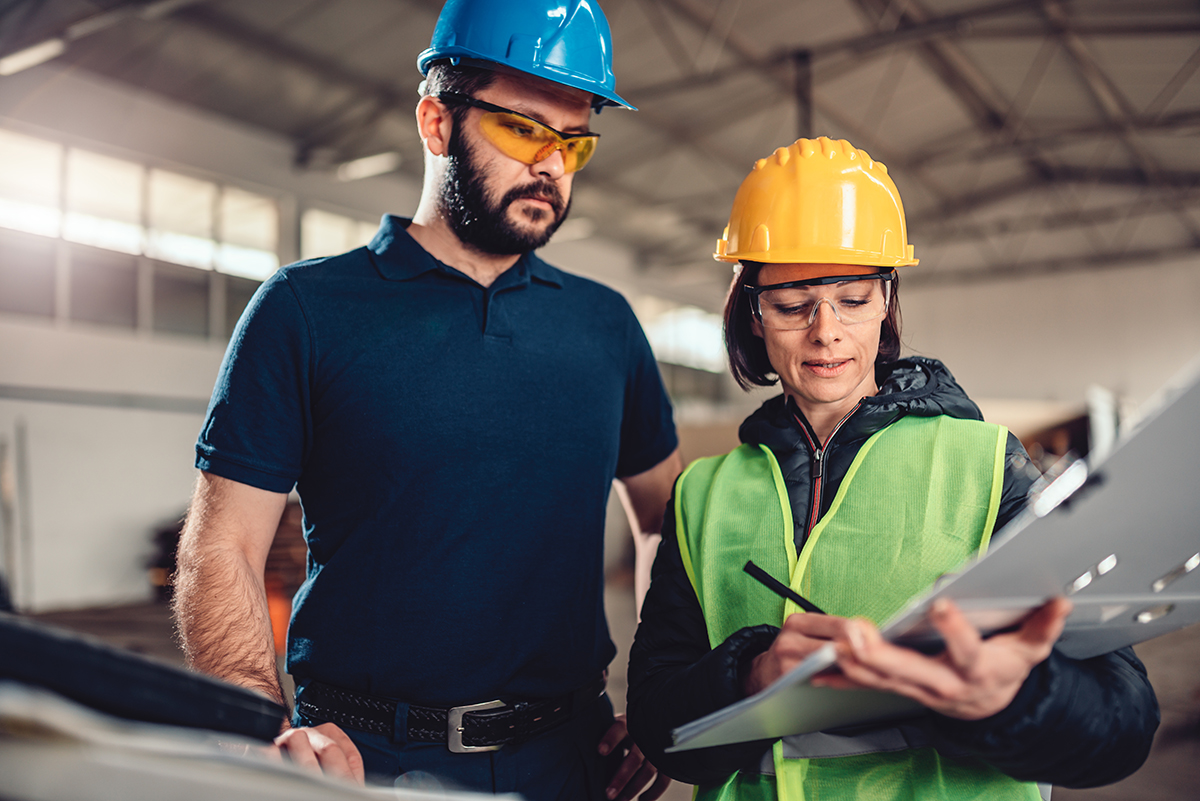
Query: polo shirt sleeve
[[647, 425], [258, 424]]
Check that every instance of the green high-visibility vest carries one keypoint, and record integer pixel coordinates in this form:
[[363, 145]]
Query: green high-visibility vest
[[920, 498]]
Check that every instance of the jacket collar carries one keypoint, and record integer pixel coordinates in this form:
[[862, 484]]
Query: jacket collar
[[914, 386], [398, 257]]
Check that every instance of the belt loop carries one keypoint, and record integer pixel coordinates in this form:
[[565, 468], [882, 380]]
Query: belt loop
[[400, 725]]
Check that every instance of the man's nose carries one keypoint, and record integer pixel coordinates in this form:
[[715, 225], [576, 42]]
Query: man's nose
[[553, 166]]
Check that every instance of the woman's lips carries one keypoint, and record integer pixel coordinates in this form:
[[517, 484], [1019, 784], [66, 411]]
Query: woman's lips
[[827, 368]]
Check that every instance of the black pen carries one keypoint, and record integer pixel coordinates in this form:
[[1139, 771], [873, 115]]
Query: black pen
[[781, 589]]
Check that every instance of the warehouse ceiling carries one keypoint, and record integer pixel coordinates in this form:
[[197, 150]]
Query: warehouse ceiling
[[1026, 136]]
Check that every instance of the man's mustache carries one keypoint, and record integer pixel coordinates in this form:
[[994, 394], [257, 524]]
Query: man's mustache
[[544, 191]]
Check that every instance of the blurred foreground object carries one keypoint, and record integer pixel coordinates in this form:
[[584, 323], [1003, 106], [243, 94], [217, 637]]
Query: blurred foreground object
[[129, 686], [52, 749]]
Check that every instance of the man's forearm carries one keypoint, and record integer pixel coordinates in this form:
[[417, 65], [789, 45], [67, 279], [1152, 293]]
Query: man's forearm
[[224, 624], [220, 598]]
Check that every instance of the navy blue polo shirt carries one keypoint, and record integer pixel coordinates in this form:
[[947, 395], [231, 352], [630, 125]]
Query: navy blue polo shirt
[[453, 447]]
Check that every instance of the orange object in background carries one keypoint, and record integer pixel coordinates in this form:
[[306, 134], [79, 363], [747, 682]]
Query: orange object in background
[[285, 570], [279, 606]]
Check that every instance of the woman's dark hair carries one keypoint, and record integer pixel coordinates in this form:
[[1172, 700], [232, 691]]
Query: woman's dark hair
[[461, 79], [748, 354]]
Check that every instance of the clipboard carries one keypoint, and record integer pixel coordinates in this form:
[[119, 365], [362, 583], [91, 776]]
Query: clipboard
[[1121, 541]]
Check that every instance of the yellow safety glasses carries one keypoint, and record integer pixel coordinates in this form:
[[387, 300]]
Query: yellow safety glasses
[[524, 138]]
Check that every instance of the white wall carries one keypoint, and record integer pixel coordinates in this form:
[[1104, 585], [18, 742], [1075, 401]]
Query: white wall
[[91, 471], [1049, 338]]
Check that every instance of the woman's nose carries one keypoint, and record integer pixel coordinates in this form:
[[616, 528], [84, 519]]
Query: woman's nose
[[826, 323]]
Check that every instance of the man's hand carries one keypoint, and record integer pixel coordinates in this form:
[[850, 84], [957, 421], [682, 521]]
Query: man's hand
[[972, 679], [325, 749], [635, 772]]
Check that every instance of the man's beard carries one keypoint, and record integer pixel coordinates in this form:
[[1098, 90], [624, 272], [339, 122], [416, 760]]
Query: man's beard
[[483, 225]]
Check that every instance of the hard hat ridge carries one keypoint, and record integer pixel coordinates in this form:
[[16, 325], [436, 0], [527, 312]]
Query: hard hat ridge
[[817, 201]]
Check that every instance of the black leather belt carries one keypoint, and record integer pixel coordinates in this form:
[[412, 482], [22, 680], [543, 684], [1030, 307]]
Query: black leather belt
[[486, 726]]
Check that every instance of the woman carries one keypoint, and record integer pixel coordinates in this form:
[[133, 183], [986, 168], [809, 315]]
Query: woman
[[868, 478]]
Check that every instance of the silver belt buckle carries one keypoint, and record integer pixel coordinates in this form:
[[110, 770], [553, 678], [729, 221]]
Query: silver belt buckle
[[454, 728]]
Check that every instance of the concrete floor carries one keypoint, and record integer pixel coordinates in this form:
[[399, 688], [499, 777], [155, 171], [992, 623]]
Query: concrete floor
[[1172, 772]]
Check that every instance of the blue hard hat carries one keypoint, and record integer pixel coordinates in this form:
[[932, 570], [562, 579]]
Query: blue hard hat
[[565, 41]]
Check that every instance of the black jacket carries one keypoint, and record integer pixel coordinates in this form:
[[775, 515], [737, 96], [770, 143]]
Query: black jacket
[[1075, 723]]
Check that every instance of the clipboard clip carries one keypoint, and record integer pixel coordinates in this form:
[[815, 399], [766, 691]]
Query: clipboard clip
[[1058, 483]]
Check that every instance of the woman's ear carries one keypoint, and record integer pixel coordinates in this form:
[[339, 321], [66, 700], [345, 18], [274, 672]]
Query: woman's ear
[[756, 327], [434, 124]]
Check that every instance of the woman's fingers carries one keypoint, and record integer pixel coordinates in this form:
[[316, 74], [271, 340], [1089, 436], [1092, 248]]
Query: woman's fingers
[[870, 660], [816, 626], [801, 635], [963, 641], [971, 679], [1045, 626]]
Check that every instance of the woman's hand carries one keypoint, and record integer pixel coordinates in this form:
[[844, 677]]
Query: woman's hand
[[802, 633], [972, 679]]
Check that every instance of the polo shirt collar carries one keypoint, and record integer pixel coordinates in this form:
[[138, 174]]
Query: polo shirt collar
[[399, 257]]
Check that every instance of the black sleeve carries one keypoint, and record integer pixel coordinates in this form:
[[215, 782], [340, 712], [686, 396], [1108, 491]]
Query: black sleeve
[[674, 677], [1074, 723], [1019, 474]]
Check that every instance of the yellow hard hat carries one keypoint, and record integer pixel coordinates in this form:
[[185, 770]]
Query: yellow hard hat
[[817, 201]]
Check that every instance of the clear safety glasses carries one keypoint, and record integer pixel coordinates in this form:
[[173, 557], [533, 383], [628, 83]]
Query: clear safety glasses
[[793, 305], [524, 138]]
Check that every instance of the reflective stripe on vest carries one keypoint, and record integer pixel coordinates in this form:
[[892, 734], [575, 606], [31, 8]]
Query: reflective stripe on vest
[[919, 499]]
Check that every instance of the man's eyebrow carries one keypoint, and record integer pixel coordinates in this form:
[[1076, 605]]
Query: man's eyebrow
[[533, 115]]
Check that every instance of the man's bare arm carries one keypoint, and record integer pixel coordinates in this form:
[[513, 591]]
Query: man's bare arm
[[220, 596], [221, 609], [645, 499]]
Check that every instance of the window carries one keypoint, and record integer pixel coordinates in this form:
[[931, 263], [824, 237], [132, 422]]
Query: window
[[121, 205], [29, 184], [104, 202], [180, 300], [249, 234], [26, 274], [684, 335], [180, 217], [324, 233], [114, 210], [104, 288]]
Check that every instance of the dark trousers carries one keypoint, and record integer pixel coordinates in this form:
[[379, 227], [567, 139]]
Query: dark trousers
[[559, 765]]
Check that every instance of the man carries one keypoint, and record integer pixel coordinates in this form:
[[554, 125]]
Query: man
[[452, 411]]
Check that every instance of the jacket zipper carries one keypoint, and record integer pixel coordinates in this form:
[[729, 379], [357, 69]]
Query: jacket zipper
[[818, 467]]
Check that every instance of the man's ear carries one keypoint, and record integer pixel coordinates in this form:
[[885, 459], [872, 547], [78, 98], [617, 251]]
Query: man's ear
[[434, 124]]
